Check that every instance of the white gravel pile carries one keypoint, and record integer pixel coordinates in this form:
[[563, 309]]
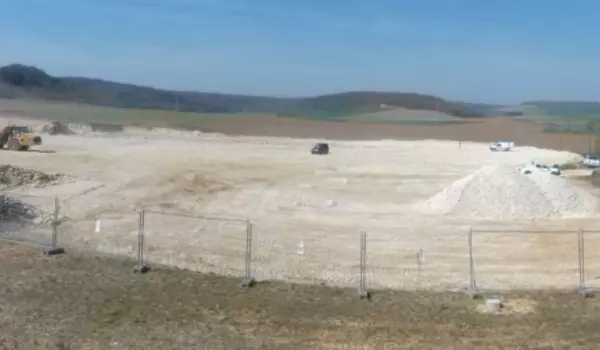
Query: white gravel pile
[[501, 193]]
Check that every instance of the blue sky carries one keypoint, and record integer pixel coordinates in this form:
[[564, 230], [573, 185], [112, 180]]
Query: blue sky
[[476, 50]]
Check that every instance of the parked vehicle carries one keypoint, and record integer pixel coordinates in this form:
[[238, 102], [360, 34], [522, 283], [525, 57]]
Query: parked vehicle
[[502, 146], [591, 160], [537, 167], [320, 148]]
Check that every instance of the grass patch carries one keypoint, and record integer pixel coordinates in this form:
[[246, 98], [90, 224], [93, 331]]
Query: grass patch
[[89, 302], [572, 165], [82, 113]]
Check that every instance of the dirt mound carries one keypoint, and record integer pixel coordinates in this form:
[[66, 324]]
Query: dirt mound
[[12, 209], [57, 128], [12, 176], [495, 192]]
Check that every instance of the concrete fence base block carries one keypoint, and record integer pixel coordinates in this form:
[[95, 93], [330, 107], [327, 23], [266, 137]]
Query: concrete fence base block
[[55, 251], [141, 269], [473, 292], [493, 304], [248, 283], [585, 293], [364, 295]]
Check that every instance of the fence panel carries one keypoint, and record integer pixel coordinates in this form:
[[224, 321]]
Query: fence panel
[[108, 233], [417, 259], [591, 259], [205, 244], [284, 251], [113, 233], [27, 218], [527, 259]]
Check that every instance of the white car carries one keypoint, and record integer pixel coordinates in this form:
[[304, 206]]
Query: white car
[[503, 146], [537, 167], [591, 160]]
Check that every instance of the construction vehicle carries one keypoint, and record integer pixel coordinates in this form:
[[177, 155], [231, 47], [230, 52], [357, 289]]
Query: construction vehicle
[[18, 138]]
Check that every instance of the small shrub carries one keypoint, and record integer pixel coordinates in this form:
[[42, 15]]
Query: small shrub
[[570, 165]]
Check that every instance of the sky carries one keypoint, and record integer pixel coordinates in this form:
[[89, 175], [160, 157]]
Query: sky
[[503, 51]]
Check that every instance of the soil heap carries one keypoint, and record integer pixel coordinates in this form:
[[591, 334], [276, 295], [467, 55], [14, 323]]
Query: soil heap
[[503, 193], [57, 128], [12, 209], [13, 176]]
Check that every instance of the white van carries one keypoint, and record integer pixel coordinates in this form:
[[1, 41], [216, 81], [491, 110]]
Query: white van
[[502, 146]]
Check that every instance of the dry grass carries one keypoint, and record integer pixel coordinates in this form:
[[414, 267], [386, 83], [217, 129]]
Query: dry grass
[[89, 302]]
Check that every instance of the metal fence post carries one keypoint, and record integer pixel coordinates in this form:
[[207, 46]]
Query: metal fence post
[[581, 288], [140, 266], [363, 292], [471, 289], [54, 249], [248, 280]]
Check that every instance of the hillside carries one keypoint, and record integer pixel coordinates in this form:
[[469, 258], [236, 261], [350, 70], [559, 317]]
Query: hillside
[[26, 82]]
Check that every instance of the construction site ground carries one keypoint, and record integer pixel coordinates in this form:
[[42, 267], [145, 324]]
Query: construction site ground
[[294, 199], [89, 302]]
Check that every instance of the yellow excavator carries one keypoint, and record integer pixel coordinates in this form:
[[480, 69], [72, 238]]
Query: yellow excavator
[[18, 138]]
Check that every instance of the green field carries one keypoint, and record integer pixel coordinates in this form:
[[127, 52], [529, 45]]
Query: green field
[[562, 120], [396, 115], [81, 113]]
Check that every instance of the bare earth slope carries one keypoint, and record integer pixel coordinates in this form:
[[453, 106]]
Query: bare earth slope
[[94, 303]]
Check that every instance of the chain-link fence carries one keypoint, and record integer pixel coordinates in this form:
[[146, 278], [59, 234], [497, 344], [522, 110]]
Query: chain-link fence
[[104, 233], [199, 243], [478, 259], [502, 259], [417, 259]]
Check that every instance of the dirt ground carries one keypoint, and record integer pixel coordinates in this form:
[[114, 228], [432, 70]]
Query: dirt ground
[[307, 211], [307, 214], [296, 202], [487, 130], [522, 132], [89, 302]]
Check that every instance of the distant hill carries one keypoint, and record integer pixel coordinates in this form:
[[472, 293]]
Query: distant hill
[[20, 81]]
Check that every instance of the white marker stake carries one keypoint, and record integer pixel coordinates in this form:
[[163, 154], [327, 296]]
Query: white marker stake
[[301, 247], [97, 226]]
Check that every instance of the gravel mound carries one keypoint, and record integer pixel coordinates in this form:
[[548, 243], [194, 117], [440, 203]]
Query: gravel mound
[[502, 193], [57, 128], [12, 209], [12, 176]]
